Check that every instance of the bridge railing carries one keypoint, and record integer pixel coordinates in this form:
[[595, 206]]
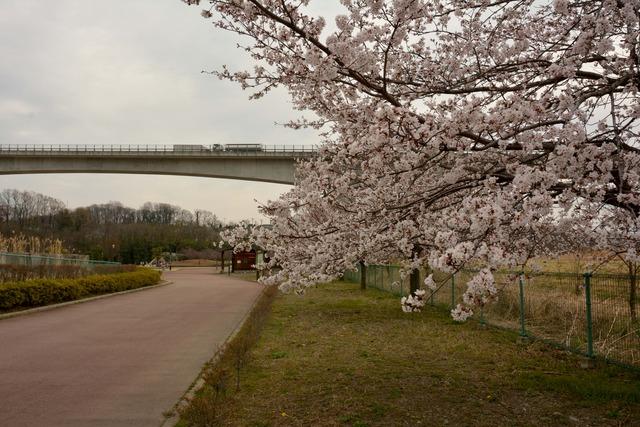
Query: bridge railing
[[176, 149]]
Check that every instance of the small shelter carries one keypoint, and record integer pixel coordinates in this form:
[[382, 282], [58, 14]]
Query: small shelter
[[243, 261]]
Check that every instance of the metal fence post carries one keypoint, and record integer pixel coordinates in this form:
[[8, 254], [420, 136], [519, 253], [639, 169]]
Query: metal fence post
[[587, 294], [453, 291], [523, 331]]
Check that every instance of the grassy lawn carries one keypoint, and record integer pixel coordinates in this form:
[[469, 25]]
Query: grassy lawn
[[245, 275], [341, 357]]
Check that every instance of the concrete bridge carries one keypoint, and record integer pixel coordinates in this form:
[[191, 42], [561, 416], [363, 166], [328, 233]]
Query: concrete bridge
[[249, 162]]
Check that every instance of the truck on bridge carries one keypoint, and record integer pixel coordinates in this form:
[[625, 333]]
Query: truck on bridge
[[243, 147], [190, 148]]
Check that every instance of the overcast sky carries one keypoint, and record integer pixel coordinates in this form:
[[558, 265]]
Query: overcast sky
[[129, 72]]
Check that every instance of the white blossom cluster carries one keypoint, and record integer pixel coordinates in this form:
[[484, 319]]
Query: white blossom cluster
[[413, 303], [241, 237], [461, 313], [430, 283], [480, 289]]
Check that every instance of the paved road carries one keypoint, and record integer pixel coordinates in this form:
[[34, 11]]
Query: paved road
[[118, 361]]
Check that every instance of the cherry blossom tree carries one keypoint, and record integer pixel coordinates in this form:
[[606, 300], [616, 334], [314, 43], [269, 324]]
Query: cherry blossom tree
[[454, 131]]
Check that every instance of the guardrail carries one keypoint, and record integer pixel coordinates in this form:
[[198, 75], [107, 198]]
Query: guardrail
[[176, 149]]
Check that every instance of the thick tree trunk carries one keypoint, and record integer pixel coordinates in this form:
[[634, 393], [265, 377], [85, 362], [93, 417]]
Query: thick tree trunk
[[414, 277], [414, 281], [222, 261], [363, 276]]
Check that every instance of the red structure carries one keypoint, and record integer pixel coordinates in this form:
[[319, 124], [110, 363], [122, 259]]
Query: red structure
[[243, 261]]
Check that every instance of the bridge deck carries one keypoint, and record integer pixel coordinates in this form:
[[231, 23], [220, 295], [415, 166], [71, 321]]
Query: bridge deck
[[281, 151], [262, 163]]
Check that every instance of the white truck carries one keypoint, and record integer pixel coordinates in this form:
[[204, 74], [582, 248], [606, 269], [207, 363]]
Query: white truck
[[243, 147], [188, 148]]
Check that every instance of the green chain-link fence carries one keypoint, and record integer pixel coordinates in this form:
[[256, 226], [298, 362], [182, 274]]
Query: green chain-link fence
[[16, 267], [595, 315], [33, 259], [383, 277]]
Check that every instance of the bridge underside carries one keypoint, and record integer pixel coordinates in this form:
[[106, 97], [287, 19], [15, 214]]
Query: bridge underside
[[264, 169]]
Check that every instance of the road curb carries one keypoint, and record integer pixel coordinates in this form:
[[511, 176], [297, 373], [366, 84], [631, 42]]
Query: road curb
[[79, 301], [199, 381]]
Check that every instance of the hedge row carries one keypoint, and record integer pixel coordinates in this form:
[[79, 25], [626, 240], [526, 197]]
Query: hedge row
[[20, 273], [39, 292]]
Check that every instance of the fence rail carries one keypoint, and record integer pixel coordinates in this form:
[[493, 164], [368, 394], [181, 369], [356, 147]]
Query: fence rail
[[216, 150], [594, 315], [18, 267], [34, 259]]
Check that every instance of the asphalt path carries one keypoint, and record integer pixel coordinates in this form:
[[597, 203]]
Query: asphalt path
[[118, 361]]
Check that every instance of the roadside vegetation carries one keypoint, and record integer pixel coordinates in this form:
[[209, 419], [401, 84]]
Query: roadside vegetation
[[225, 372], [554, 302], [19, 273], [36, 223], [39, 292], [342, 357], [555, 309], [581, 262]]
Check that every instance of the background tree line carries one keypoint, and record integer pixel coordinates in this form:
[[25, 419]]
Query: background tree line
[[109, 231]]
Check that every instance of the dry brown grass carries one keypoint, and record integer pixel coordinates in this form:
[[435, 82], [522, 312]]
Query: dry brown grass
[[555, 305], [19, 243], [555, 310], [581, 262]]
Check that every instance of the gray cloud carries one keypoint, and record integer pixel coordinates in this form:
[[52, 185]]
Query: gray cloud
[[124, 72]]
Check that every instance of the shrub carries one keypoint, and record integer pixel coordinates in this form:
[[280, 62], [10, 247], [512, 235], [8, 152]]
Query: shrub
[[38, 292], [20, 273]]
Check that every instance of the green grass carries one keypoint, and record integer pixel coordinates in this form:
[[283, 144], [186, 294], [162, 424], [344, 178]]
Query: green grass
[[245, 275], [342, 357], [597, 387]]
